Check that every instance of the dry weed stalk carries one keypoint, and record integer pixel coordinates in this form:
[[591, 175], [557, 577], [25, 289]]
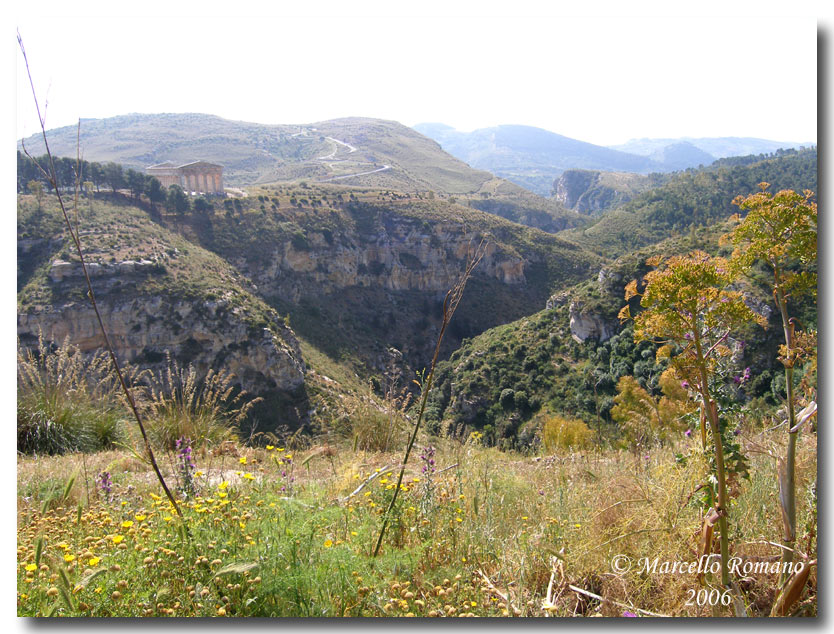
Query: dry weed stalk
[[450, 305], [52, 178]]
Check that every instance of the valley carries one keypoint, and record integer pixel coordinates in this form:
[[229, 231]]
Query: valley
[[552, 424]]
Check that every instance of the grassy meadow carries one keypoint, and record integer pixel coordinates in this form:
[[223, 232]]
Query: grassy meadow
[[287, 529]]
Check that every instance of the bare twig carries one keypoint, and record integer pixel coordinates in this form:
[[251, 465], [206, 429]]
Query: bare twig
[[504, 595], [373, 477], [451, 466], [608, 508], [617, 603], [52, 178]]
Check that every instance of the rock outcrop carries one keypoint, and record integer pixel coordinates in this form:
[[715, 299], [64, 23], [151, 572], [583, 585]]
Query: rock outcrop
[[210, 334], [591, 192], [586, 325], [400, 256]]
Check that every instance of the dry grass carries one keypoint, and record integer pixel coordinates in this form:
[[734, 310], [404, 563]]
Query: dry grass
[[499, 517]]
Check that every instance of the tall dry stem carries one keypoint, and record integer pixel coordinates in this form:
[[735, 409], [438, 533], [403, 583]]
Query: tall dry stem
[[51, 176], [450, 305]]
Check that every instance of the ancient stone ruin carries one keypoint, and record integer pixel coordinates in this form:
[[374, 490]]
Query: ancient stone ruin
[[197, 177]]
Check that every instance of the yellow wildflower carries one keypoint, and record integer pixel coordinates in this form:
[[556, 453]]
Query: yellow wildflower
[[94, 561], [328, 543], [31, 568], [117, 539], [242, 460]]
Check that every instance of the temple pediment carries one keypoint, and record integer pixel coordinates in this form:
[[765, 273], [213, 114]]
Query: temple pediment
[[200, 165], [194, 177]]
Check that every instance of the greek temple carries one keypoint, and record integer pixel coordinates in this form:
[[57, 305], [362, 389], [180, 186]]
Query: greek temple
[[197, 177]]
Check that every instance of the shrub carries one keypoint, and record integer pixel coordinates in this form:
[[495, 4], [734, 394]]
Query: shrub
[[374, 426], [178, 404], [66, 401], [565, 434]]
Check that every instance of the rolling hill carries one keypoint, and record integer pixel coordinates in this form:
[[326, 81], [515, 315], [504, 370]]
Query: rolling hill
[[353, 152]]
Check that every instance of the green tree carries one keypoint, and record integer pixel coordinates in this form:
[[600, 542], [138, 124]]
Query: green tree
[[135, 182], [203, 206], [96, 174], [781, 231], [686, 303], [177, 200], [35, 187], [155, 191], [113, 175]]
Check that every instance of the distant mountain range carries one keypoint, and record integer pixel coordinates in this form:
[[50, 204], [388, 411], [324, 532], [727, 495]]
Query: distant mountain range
[[717, 147], [533, 157]]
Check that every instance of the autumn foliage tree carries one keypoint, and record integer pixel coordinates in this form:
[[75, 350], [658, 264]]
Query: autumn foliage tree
[[687, 306], [780, 230]]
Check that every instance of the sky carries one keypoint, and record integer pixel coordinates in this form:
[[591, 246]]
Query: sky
[[587, 73]]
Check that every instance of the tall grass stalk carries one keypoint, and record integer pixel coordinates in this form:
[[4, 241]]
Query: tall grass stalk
[[51, 176], [450, 305]]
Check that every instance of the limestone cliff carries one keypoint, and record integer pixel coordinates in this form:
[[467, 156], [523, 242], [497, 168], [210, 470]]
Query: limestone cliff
[[592, 192], [586, 325], [402, 256], [209, 334], [156, 293]]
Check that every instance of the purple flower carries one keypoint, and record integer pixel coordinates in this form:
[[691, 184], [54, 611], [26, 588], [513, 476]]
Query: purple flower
[[630, 614], [428, 459], [105, 484], [684, 384], [185, 466], [687, 433]]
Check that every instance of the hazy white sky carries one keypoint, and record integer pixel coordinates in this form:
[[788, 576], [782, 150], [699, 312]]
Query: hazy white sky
[[590, 73]]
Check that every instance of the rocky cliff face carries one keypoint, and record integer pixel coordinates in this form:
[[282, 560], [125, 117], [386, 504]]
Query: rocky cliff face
[[586, 325], [402, 256], [157, 295], [591, 192], [210, 334]]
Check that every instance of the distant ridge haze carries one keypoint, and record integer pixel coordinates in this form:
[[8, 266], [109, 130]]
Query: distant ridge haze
[[533, 157]]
